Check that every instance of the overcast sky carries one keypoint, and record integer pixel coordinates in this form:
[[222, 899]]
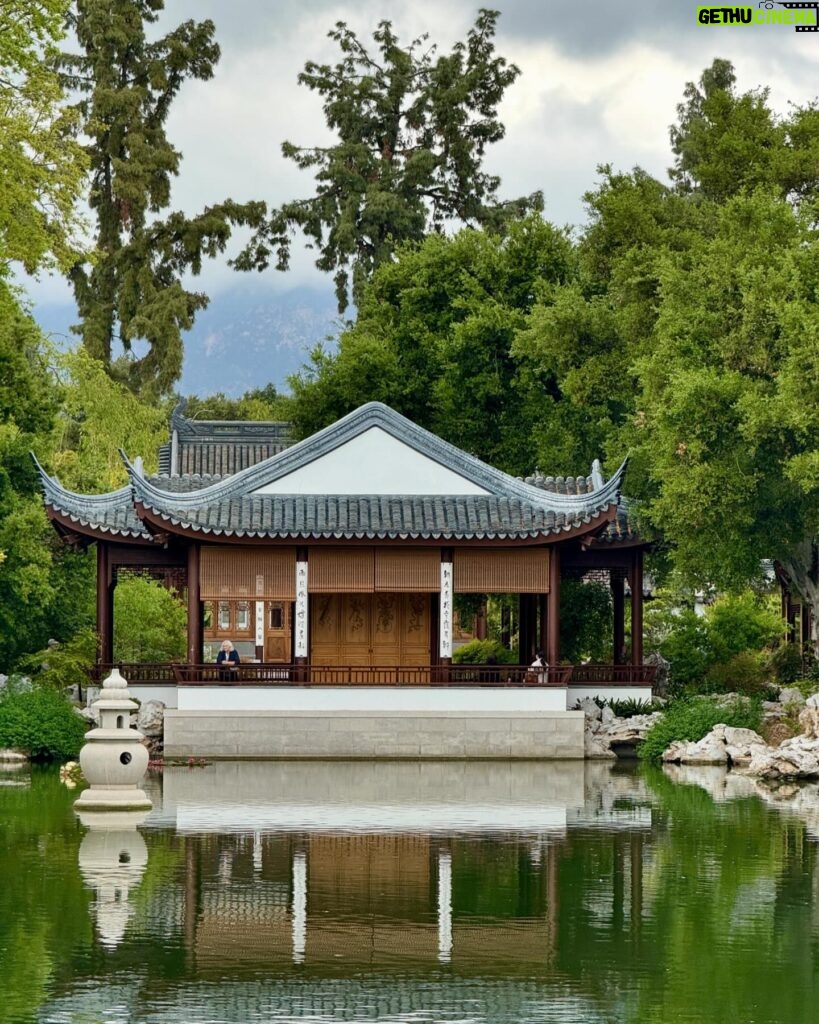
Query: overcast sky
[[599, 83]]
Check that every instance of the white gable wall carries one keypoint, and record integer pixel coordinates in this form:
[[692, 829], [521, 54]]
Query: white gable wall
[[374, 462]]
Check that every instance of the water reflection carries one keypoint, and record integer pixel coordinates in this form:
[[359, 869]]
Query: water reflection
[[417, 893], [112, 857]]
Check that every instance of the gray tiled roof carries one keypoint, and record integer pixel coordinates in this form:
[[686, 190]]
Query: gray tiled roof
[[623, 528], [112, 513], [221, 447], [352, 516], [228, 506]]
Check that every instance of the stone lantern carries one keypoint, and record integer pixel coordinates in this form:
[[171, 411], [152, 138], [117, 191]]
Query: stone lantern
[[114, 759]]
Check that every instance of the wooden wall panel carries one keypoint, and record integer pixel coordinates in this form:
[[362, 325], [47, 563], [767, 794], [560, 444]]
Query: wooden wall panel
[[413, 570], [502, 571], [250, 572], [341, 571]]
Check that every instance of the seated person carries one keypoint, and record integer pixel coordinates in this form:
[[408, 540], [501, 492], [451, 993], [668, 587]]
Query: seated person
[[228, 657]]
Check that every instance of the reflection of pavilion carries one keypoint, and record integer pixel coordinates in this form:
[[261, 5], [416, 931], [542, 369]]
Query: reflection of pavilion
[[395, 865]]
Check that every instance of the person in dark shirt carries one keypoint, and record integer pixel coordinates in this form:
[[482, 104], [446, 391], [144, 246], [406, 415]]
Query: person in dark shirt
[[228, 658]]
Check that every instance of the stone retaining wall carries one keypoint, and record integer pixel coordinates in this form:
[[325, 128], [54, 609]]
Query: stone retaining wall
[[351, 734]]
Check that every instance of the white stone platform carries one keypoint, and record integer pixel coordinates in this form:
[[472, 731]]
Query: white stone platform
[[373, 722]]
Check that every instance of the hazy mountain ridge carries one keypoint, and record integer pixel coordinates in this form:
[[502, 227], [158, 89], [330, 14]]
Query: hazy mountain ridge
[[248, 336]]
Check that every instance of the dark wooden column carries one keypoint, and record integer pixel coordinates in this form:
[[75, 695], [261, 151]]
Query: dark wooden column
[[529, 638], [618, 603], [105, 605], [194, 607], [636, 583], [480, 622], [542, 627], [553, 626]]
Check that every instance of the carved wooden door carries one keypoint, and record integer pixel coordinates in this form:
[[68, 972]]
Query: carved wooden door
[[370, 629]]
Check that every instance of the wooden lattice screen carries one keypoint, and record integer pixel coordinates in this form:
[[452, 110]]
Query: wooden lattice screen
[[341, 571], [364, 570], [407, 570], [502, 571], [264, 573]]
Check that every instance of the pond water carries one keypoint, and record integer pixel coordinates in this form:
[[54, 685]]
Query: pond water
[[521, 892]]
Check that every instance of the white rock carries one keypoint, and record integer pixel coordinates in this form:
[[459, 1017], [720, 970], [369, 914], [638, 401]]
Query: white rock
[[151, 718], [790, 695], [590, 709], [813, 700], [797, 758], [709, 750], [809, 721], [597, 746], [607, 716]]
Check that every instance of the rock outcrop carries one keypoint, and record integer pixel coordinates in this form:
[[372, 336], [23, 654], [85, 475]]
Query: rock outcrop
[[723, 745], [608, 737]]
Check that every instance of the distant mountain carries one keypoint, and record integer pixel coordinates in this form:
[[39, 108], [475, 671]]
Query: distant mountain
[[249, 336]]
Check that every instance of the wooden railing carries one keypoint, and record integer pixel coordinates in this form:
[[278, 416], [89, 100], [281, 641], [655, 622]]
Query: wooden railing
[[146, 673], [274, 674], [370, 675], [614, 675]]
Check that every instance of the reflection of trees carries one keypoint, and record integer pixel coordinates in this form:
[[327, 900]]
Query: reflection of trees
[[44, 916], [724, 930]]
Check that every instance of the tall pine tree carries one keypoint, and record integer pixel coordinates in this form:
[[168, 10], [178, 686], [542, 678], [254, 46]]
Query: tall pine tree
[[412, 131], [131, 294]]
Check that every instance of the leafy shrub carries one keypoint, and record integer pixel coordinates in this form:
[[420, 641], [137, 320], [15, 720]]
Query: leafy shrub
[[744, 673], [687, 649], [42, 723], [691, 718], [632, 706], [786, 663], [741, 622], [66, 664], [479, 652]]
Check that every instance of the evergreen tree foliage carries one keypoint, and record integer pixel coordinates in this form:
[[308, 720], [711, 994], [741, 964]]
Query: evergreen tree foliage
[[725, 142], [413, 128], [131, 294]]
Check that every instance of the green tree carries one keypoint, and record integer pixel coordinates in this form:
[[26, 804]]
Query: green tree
[[131, 294], [725, 142], [434, 339], [42, 166], [98, 417], [257, 404], [149, 622], [585, 621], [413, 128], [728, 428], [36, 568]]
